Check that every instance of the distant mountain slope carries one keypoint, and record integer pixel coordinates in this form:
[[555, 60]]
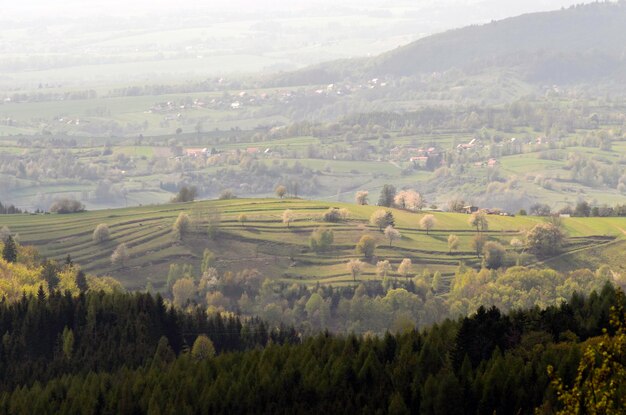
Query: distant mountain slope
[[581, 43]]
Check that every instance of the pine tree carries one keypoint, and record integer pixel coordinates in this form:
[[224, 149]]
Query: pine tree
[[9, 253], [50, 274], [81, 281]]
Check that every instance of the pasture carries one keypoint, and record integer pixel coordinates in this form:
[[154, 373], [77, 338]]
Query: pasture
[[280, 252]]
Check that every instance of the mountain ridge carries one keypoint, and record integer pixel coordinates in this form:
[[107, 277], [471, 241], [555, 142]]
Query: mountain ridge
[[579, 44]]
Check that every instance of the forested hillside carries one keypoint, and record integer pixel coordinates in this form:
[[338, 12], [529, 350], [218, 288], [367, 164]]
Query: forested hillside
[[578, 44], [109, 361]]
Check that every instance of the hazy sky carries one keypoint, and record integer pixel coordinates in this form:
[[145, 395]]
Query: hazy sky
[[95, 41], [485, 9]]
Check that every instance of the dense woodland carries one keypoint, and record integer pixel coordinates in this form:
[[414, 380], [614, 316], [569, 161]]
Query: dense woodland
[[128, 353]]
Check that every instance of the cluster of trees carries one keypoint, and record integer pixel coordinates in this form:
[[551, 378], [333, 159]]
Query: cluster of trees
[[66, 205], [24, 272], [581, 209], [151, 359], [9, 209], [400, 296], [405, 199]]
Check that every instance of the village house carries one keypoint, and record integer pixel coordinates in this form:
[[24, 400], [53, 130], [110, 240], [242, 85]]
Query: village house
[[196, 152]]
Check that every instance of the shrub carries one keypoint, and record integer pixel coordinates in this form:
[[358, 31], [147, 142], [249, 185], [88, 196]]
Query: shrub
[[101, 233], [67, 205], [366, 246]]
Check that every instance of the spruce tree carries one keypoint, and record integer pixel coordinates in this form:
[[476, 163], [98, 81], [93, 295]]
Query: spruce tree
[[9, 253], [50, 274], [81, 282]]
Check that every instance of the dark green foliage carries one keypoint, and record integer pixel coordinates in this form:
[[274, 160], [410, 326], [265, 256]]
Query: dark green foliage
[[109, 331], [583, 209], [81, 281], [65, 205], [9, 209], [545, 239], [50, 273], [9, 252], [321, 239], [494, 254], [387, 194], [120, 358], [185, 194]]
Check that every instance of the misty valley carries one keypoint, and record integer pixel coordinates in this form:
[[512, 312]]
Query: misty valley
[[402, 208]]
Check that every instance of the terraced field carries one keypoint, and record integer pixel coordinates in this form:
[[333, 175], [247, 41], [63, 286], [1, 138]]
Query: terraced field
[[282, 252]]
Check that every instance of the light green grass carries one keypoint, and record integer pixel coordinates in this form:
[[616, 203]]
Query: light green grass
[[267, 244]]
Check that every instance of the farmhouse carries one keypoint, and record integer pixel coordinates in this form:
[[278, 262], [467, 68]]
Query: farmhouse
[[196, 152], [467, 146]]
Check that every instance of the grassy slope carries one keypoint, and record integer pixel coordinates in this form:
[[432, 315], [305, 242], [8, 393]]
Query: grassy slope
[[265, 243]]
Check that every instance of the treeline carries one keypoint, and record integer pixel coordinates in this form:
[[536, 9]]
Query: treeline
[[46, 336], [582, 209], [9, 209], [389, 303], [486, 363]]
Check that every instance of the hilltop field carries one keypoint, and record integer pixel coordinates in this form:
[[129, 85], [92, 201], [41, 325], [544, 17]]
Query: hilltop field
[[265, 243]]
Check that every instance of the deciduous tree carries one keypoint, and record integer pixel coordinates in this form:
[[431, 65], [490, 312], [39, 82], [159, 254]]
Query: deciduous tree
[[428, 222], [479, 221], [478, 243], [361, 197], [120, 256], [494, 254], [202, 348], [381, 219], [392, 234], [355, 267], [182, 225], [101, 233], [366, 246], [545, 239], [280, 191], [404, 268], [383, 268], [321, 240], [288, 217], [183, 291], [453, 243]]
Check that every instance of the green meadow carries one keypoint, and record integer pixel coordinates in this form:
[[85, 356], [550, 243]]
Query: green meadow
[[265, 243]]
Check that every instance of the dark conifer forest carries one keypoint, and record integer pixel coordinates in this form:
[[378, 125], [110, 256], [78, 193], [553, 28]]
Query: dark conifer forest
[[129, 353]]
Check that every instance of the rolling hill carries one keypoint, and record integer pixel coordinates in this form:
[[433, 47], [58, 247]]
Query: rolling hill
[[265, 243], [579, 44]]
